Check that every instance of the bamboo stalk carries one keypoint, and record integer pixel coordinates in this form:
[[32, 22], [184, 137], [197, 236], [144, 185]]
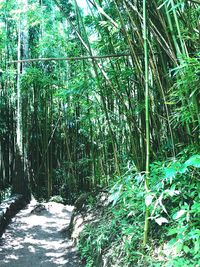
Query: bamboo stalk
[[70, 58], [147, 176]]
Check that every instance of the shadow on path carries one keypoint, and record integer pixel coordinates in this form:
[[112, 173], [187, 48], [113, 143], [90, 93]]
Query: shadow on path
[[35, 240]]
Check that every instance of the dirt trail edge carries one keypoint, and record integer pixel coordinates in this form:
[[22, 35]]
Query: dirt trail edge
[[36, 240]]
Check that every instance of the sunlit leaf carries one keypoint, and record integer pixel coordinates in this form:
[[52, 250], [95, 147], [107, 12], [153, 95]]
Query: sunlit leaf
[[161, 220], [172, 191], [161, 204], [148, 200], [193, 161], [170, 103], [115, 196], [179, 214], [170, 172]]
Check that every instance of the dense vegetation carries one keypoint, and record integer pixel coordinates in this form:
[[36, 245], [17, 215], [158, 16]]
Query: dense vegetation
[[115, 238], [129, 121]]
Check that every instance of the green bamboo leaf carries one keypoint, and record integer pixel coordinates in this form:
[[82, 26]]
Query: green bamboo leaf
[[183, 168], [179, 247], [197, 246], [194, 91], [172, 242], [186, 249], [170, 172], [172, 231], [193, 161]]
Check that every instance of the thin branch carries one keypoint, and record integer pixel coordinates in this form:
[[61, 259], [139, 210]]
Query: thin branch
[[69, 58]]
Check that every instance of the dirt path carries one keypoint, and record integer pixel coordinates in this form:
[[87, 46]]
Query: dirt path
[[35, 240]]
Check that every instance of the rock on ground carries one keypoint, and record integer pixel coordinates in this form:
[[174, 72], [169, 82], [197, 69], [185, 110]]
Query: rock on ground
[[34, 239]]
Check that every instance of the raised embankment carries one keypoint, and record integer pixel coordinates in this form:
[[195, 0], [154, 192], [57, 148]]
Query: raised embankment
[[9, 208]]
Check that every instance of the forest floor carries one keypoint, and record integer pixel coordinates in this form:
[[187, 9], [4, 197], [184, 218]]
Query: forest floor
[[36, 239]]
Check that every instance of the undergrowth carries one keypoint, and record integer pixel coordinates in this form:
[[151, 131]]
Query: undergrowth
[[115, 238]]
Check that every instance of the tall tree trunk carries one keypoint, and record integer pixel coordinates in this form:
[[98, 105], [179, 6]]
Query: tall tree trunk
[[20, 179]]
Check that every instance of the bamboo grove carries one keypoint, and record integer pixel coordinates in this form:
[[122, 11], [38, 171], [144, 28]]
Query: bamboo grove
[[71, 125]]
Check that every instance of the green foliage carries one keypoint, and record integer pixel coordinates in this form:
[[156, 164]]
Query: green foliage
[[174, 218], [185, 93], [119, 228], [83, 120], [176, 202], [193, 161]]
